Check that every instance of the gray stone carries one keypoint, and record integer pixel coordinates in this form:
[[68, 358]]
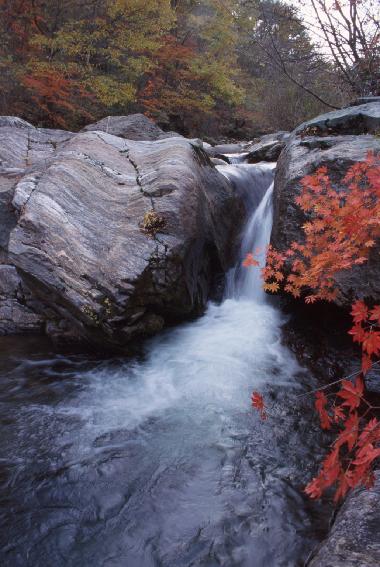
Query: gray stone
[[16, 317], [120, 237], [266, 148], [218, 161], [21, 148], [362, 119], [131, 127], [14, 122], [354, 539], [364, 100], [222, 149]]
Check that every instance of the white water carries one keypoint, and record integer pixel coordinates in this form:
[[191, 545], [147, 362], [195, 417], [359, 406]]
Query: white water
[[214, 362], [162, 462]]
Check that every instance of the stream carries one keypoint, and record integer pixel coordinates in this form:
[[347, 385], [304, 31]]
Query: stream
[[160, 460]]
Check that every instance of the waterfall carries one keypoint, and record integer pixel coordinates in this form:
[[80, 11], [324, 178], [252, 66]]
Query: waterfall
[[248, 281], [256, 180]]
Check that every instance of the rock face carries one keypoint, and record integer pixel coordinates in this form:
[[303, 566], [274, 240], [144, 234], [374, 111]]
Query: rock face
[[131, 127], [16, 317], [354, 540], [111, 238], [22, 146], [303, 155], [268, 148]]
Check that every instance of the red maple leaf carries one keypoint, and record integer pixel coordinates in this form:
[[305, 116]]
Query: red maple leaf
[[370, 433], [314, 489], [358, 333], [351, 393], [331, 467], [366, 363], [258, 403], [349, 434], [375, 314], [320, 406], [250, 261], [371, 342], [343, 486], [359, 311], [339, 414], [366, 455]]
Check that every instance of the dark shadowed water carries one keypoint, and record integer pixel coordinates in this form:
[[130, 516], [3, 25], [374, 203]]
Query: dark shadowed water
[[160, 461]]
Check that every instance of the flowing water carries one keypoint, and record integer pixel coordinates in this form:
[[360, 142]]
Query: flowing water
[[160, 461]]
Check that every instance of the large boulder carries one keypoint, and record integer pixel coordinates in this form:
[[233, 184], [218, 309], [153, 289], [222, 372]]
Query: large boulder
[[302, 156], [115, 238], [131, 127], [354, 540]]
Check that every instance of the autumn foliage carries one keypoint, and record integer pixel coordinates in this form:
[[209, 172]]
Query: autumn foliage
[[356, 445], [343, 223], [67, 63]]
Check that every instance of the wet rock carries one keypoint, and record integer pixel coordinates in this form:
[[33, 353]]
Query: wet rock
[[354, 539], [118, 238], [16, 317], [218, 161], [131, 127], [267, 148], [302, 156], [220, 150], [361, 119]]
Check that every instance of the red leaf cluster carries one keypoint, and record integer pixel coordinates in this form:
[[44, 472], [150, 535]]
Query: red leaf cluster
[[357, 444], [341, 229]]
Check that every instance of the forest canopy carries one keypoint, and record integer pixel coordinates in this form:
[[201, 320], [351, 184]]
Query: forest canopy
[[217, 68]]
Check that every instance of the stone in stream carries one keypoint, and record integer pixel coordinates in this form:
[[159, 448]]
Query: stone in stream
[[114, 238], [303, 155], [354, 539], [266, 148], [220, 150]]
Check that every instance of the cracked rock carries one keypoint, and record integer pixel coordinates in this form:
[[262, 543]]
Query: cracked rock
[[74, 231]]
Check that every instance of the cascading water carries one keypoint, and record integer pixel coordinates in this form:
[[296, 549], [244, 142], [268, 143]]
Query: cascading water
[[161, 461]]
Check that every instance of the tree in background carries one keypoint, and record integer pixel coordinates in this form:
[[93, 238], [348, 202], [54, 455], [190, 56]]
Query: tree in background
[[65, 65], [195, 74], [349, 32], [81, 59], [218, 68], [291, 80]]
